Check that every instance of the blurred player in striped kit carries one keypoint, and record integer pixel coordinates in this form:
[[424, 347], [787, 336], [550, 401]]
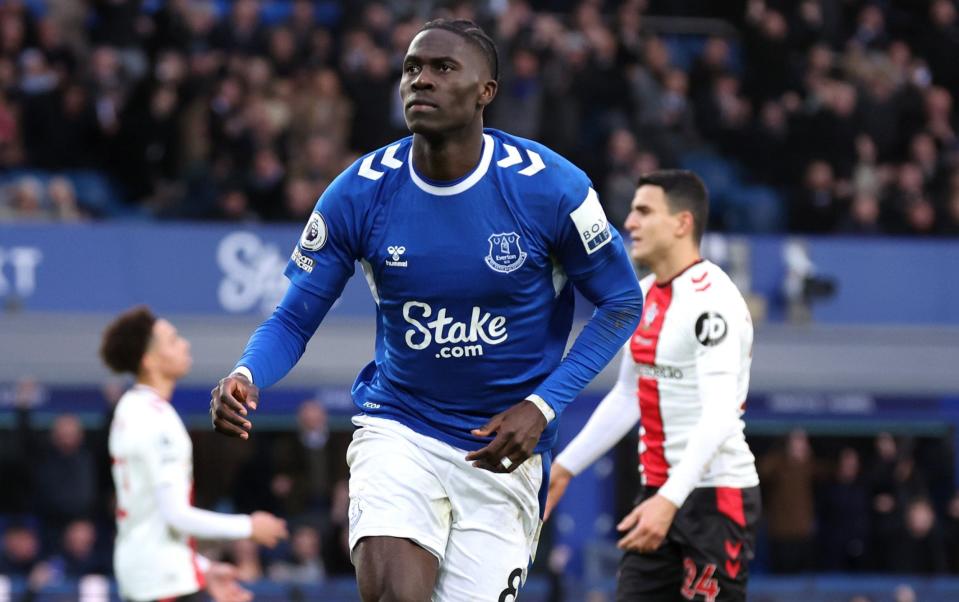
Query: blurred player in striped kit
[[684, 376]]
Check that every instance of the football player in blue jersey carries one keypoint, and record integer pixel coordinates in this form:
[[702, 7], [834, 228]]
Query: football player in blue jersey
[[471, 241]]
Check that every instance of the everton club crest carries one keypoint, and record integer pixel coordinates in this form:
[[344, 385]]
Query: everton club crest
[[505, 254]]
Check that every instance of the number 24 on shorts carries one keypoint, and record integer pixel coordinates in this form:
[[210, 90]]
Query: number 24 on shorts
[[705, 585]]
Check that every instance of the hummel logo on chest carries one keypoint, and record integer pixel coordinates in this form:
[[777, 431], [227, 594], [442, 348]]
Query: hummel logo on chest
[[396, 255]]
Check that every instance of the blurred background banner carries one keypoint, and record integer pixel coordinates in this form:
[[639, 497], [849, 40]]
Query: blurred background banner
[[221, 269]]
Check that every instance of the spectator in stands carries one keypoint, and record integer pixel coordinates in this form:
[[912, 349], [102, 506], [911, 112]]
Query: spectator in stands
[[21, 551], [522, 93], [845, 516], [863, 216], [245, 555], [21, 200], [20, 557], [942, 43], [265, 184], [620, 181], [233, 205], [79, 552], [305, 562], [886, 511], [321, 109], [786, 476], [63, 200], [304, 464], [767, 44], [922, 550], [299, 198], [920, 216], [65, 476], [242, 33], [817, 208], [17, 451]]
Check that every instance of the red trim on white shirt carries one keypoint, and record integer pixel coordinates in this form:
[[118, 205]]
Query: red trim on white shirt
[[643, 348]]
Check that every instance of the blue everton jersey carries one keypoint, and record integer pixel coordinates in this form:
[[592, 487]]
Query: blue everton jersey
[[471, 278]]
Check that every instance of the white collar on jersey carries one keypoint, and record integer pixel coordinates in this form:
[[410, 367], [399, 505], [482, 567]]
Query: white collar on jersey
[[463, 185]]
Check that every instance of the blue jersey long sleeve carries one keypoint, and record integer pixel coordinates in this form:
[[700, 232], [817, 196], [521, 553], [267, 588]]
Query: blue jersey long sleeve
[[279, 342], [619, 304]]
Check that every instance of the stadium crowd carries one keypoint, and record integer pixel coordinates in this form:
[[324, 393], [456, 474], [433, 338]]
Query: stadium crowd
[[808, 116]]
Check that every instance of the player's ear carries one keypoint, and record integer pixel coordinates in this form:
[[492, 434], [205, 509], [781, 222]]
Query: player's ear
[[685, 224], [487, 92]]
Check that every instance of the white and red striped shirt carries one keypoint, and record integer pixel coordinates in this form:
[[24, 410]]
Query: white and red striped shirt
[[684, 376]]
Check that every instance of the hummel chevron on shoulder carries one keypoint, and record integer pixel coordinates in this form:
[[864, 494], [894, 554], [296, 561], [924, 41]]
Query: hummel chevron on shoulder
[[513, 157], [389, 160]]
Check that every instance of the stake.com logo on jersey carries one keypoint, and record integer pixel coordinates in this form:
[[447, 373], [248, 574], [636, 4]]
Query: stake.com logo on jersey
[[459, 339]]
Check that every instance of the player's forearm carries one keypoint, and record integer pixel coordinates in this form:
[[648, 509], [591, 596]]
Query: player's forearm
[[277, 344], [615, 416], [619, 304], [718, 422], [203, 524]]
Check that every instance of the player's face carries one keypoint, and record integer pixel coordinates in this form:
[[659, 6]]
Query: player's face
[[652, 227], [445, 84], [169, 352]]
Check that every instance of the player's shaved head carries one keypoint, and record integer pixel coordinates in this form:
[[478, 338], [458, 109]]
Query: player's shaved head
[[126, 339], [474, 34], [684, 191]]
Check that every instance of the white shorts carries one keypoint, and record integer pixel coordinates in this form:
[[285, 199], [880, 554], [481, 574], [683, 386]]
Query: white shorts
[[482, 526]]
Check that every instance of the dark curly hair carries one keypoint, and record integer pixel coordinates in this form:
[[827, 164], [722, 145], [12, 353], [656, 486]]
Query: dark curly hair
[[473, 34], [125, 340]]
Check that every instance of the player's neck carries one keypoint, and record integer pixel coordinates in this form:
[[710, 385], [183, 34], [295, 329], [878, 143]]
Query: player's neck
[[675, 263], [448, 157], [162, 386]]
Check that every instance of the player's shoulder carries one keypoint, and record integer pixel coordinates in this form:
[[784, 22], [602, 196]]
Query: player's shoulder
[[708, 285], [534, 167], [141, 411], [377, 167], [143, 404]]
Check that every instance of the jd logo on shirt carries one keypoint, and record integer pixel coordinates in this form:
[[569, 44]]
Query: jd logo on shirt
[[710, 329]]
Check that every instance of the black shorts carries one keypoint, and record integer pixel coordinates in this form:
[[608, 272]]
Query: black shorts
[[705, 556]]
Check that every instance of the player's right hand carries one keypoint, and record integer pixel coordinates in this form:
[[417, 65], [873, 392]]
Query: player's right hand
[[267, 529], [229, 401], [559, 478]]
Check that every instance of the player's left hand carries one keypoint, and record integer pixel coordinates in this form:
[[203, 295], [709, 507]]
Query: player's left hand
[[517, 433], [222, 585], [647, 525]]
